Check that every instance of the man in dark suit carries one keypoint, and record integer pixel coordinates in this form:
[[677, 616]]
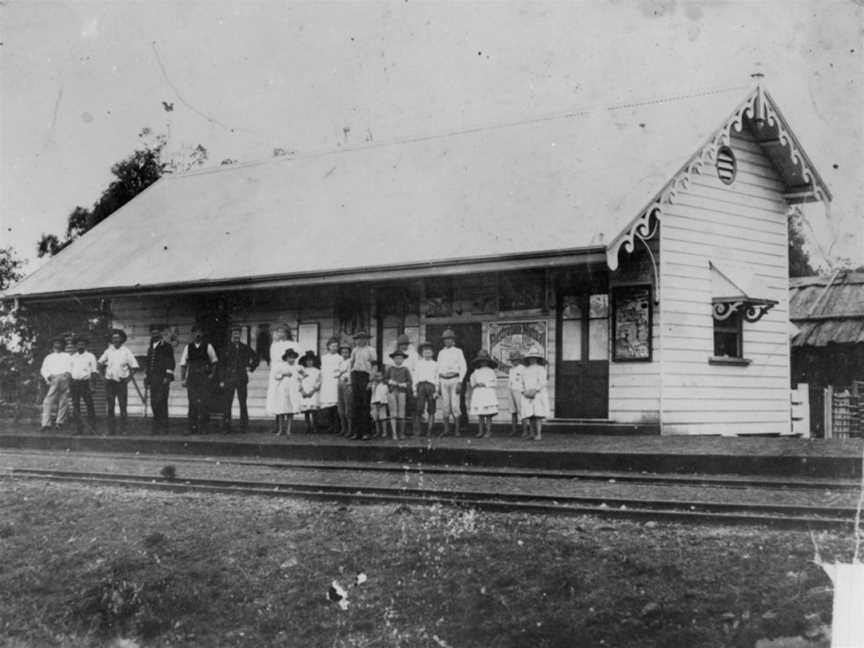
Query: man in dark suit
[[236, 361], [160, 373]]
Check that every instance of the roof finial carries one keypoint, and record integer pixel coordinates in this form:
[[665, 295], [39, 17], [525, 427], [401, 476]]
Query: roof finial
[[757, 77]]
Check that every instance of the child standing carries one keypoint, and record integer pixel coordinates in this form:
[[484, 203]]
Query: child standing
[[310, 385], [514, 383], [378, 402], [535, 400], [484, 396], [286, 396], [398, 379], [426, 387], [329, 397], [343, 404]]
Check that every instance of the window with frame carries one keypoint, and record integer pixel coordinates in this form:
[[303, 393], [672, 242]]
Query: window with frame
[[728, 336]]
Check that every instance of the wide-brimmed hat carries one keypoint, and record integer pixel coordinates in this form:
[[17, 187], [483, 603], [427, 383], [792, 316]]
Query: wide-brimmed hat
[[361, 334], [398, 352], [482, 358], [290, 353], [403, 339], [119, 332], [158, 328], [536, 353], [448, 333], [426, 345]]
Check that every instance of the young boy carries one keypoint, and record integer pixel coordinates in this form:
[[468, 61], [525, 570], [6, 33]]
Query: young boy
[[56, 370], [378, 402], [398, 379], [363, 360], [83, 367], [344, 404], [426, 388], [119, 364]]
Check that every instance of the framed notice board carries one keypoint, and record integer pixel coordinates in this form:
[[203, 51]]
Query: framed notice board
[[631, 323]]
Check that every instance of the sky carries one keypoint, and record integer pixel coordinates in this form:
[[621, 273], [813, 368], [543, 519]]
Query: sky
[[79, 81]]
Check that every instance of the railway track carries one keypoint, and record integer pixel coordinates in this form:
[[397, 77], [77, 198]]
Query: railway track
[[703, 510], [726, 481]]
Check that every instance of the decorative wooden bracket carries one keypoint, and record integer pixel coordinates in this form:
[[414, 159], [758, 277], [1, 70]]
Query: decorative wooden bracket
[[754, 309]]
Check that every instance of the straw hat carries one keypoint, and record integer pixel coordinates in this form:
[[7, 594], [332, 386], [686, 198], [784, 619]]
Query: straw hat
[[448, 333], [398, 352], [536, 353], [361, 334]]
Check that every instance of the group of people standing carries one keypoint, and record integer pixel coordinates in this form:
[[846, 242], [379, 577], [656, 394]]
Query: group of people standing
[[350, 392], [68, 371], [346, 391]]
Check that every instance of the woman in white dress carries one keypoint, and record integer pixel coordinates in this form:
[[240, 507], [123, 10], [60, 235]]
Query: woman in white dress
[[484, 395], [329, 395], [281, 342], [535, 399]]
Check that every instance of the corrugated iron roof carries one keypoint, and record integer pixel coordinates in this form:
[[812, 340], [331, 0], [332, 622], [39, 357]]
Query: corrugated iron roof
[[565, 183], [826, 311]]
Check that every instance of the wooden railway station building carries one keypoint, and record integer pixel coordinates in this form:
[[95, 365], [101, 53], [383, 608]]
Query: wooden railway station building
[[643, 247]]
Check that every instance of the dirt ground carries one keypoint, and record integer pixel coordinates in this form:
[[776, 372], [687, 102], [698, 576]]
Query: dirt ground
[[88, 566]]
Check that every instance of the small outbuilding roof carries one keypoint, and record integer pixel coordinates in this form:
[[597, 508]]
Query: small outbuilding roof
[[575, 182], [827, 310]]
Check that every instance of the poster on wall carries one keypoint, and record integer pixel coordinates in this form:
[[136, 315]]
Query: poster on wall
[[632, 323], [508, 337]]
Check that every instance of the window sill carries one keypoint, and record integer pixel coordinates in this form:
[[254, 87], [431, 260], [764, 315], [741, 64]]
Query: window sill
[[724, 360]]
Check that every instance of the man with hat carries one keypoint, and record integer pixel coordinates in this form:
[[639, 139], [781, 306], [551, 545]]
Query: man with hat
[[411, 357], [56, 370], [119, 364], [451, 372], [160, 373], [196, 366], [426, 388], [83, 367], [237, 361], [363, 363]]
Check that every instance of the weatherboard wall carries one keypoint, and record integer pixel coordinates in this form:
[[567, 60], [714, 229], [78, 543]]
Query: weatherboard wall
[[745, 223]]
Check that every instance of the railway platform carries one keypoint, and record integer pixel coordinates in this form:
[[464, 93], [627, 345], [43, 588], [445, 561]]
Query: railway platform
[[761, 456]]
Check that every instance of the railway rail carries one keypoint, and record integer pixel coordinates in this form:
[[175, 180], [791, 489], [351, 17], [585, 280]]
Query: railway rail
[[703, 510], [726, 481]]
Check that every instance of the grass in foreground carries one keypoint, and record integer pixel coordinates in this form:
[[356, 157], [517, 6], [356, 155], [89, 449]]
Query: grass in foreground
[[83, 566]]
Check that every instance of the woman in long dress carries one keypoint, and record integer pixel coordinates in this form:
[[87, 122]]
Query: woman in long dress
[[281, 343], [329, 395]]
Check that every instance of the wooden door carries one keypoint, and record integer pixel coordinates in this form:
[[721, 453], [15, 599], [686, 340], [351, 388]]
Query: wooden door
[[582, 372], [469, 338]]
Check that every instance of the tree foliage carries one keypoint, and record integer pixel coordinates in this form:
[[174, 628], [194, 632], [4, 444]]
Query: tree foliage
[[11, 267], [799, 259], [131, 176]]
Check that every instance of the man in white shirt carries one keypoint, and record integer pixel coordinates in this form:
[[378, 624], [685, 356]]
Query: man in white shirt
[[56, 370], [451, 372], [83, 367], [196, 367], [119, 364]]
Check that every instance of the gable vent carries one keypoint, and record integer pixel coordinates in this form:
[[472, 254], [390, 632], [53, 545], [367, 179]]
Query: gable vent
[[727, 166]]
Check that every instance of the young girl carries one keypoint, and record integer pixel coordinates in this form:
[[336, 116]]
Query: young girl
[[378, 403], [343, 404], [535, 400], [398, 378], [484, 398], [310, 386], [329, 398], [514, 383], [287, 393], [281, 343]]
